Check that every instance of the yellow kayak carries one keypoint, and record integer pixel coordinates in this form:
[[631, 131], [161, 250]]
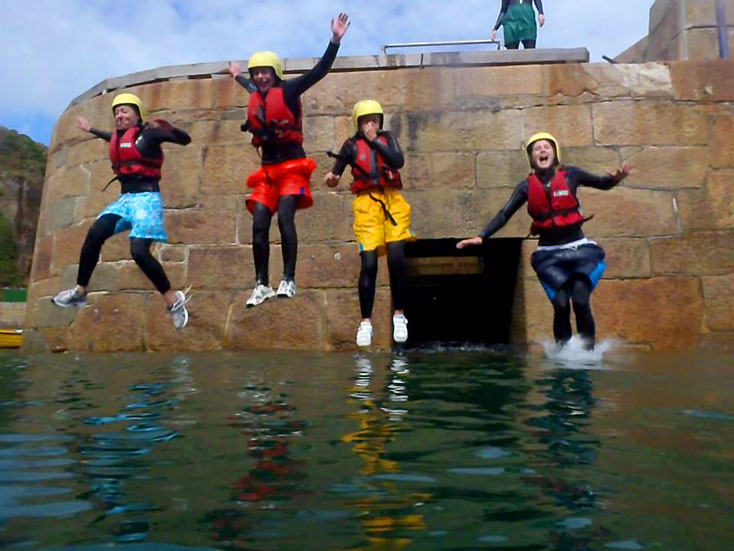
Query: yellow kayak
[[11, 338]]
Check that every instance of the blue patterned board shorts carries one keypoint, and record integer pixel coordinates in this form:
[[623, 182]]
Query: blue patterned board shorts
[[555, 267], [142, 213]]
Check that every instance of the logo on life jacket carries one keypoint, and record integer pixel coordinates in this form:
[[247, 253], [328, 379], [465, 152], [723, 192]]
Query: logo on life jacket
[[126, 158], [553, 206]]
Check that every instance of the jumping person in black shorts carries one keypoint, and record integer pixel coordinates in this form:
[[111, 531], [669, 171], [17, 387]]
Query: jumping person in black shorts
[[567, 263]]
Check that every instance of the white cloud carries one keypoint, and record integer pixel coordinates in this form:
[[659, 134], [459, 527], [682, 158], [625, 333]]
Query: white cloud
[[54, 50]]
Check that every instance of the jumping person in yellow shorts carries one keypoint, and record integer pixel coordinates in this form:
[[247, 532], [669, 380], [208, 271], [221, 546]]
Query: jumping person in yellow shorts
[[381, 214]]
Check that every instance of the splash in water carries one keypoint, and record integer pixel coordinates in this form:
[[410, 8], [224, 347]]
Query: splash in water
[[573, 354]]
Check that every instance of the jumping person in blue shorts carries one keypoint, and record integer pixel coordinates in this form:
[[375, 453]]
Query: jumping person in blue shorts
[[137, 158], [567, 263]]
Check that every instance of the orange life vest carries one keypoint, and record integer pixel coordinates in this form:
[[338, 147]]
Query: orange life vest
[[370, 170], [554, 206], [271, 121], [127, 160]]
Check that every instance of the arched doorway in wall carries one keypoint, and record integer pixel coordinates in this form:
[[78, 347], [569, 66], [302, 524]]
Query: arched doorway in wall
[[460, 297]]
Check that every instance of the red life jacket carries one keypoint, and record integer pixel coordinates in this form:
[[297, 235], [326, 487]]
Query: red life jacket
[[271, 121], [553, 207], [127, 160], [371, 169]]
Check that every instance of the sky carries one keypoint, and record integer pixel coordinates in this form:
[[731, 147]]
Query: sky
[[54, 50]]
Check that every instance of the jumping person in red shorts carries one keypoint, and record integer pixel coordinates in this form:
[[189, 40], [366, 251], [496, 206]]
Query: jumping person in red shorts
[[281, 185]]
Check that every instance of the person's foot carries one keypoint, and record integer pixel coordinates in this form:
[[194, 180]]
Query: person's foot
[[400, 328], [178, 310], [70, 298], [364, 334], [286, 289], [260, 294]]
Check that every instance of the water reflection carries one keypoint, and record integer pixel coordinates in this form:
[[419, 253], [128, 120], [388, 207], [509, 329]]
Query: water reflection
[[386, 512]]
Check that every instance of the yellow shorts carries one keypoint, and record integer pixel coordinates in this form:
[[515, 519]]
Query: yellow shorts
[[372, 225]]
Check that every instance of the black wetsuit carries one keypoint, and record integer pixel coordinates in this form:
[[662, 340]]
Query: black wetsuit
[[576, 290], [393, 157], [278, 153], [148, 143]]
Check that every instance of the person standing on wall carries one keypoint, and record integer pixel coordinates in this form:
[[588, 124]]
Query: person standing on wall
[[137, 159], [567, 263], [517, 18], [381, 214], [274, 117]]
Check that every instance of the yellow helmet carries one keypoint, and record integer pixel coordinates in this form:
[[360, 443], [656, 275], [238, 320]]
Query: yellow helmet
[[266, 59], [366, 107], [129, 99], [543, 136]]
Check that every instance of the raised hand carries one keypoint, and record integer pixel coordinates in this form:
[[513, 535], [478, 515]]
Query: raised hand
[[83, 124], [234, 69], [339, 26], [471, 241], [621, 173]]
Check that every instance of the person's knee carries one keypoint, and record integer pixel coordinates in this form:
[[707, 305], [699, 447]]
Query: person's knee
[[560, 302]]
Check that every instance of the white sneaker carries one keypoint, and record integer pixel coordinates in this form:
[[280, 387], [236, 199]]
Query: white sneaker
[[260, 294], [400, 328], [178, 311], [70, 298], [286, 289], [364, 334]]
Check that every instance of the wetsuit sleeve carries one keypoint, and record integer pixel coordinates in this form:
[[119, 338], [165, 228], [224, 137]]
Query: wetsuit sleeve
[[347, 153], [517, 199], [539, 6], [246, 83], [500, 18], [577, 177], [294, 87], [391, 153], [166, 133], [106, 136]]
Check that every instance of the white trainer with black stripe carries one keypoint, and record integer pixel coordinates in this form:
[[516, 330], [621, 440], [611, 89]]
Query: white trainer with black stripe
[[286, 289], [70, 298], [260, 294]]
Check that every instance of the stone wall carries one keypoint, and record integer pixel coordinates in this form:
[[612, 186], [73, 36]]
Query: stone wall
[[668, 229], [681, 29]]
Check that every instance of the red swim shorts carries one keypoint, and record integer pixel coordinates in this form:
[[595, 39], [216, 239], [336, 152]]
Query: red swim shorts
[[271, 182]]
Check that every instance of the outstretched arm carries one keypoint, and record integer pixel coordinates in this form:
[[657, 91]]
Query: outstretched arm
[[160, 130], [517, 199], [297, 86], [579, 177], [234, 69], [85, 125]]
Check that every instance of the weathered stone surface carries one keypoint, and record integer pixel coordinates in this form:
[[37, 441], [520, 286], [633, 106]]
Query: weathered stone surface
[[709, 80], [181, 176], [711, 207], [219, 132], [648, 123], [87, 151], [343, 317], [34, 342], [297, 323], [330, 266], [57, 338], [626, 257], [191, 226], [666, 167], [60, 215], [695, 253], [45, 288], [46, 314], [130, 276], [722, 341], [104, 277], [482, 205], [329, 219], [173, 253], [226, 168], [501, 169], [318, 133], [115, 248], [177, 95], [94, 202], [569, 124], [664, 311], [597, 160], [626, 212], [67, 246], [208, 315], [220, 267], [110, 323], [460, 131], [637, 80], [42, 258], [438, 170], [718, 295], [439, 213], [721, 146], [490, 82]]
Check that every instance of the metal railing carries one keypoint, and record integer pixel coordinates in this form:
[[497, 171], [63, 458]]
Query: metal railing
[[722, 30], [442, 43]]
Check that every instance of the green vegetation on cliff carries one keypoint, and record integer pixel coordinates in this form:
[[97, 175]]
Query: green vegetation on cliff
[[20, 156], [10, 275]]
